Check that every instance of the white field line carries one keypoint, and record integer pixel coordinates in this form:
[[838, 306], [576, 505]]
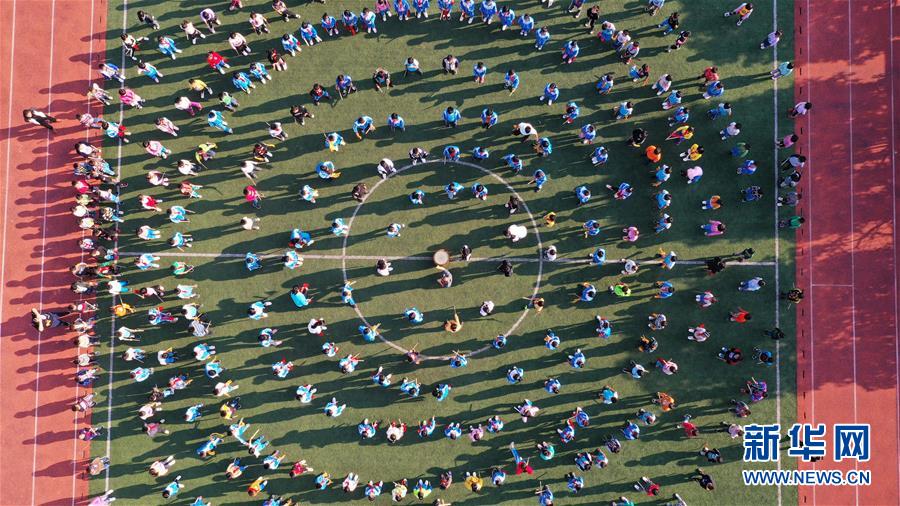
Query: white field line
[[808, 196], [534, 259], [112, 334], [851, 54], [894, 222], [9, 145], [37, 374], [777, 233], [87, 136], [377, 257]]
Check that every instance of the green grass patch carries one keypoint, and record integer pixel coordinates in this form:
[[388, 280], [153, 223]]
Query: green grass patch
[[226, 288]]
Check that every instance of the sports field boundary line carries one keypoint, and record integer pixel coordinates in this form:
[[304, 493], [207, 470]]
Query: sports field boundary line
[[87, 137], [423, 258], [894, 217], [808, 247], [12, 61], [327, 257], [852, 241], [40, 337], [9, 147], [777, 237], [112, 323]]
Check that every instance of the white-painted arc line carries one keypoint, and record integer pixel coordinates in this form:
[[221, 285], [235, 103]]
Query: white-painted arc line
[[534, 225]]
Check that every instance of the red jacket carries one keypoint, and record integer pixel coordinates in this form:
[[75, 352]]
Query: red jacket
[[214, 59]]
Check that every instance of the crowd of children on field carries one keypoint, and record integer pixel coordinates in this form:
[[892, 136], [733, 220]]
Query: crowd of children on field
[[99, 215]]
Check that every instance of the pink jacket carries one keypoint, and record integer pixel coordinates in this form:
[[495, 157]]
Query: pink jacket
[[129, 97]]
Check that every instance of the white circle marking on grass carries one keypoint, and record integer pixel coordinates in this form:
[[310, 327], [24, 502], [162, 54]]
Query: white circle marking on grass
[[534, 226]]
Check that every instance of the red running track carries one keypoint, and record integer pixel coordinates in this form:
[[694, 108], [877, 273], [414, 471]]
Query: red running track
[[847, 340], [46, 47]]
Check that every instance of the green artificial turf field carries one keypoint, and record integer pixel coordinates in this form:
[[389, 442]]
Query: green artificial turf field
[[704, 384]]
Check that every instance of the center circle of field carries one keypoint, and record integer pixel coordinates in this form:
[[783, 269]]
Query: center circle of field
[[510, 189]]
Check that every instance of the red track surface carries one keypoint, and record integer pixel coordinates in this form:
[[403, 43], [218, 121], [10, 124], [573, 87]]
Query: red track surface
[[846, 255], [48, 45]]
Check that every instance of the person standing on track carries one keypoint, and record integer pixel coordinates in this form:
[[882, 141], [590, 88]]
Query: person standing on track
[[801, 109], [37, 117]]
